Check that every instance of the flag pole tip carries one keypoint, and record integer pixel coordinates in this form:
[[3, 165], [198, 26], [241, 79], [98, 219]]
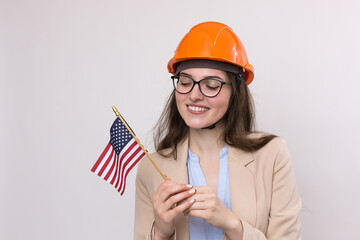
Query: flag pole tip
[[115, 110]]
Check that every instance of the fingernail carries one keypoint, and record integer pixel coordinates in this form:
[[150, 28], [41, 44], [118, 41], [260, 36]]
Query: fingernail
[[192, 191], [192, 200], [189, 186]]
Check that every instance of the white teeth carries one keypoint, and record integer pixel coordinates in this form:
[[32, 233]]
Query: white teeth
[[197, 109]]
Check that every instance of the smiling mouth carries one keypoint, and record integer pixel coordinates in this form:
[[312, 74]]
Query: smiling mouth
[[198, 109]]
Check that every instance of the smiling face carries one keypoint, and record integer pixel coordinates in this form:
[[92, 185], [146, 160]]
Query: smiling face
[[197, 110]]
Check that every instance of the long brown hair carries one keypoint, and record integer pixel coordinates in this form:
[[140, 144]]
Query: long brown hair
[[239, 121]]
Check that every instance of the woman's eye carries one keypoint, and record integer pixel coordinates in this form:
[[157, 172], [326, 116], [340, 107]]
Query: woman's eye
[[185, 83], [212, 84], [212, 87]]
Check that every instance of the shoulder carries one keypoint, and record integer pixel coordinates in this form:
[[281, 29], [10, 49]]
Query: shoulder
[[269, 161], [273, 153], [146, 168], [166, 162], [275, 144], [273, 147], [145, 165]]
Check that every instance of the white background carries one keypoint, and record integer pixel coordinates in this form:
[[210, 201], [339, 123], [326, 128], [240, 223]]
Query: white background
[[63, 64]]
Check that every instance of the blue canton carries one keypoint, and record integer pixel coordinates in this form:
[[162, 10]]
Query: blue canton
[[120, 136]]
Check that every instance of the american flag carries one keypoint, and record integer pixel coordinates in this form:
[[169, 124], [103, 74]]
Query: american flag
[[120, 155]]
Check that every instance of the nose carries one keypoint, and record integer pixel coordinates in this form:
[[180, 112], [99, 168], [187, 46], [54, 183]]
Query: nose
[[195, 94]]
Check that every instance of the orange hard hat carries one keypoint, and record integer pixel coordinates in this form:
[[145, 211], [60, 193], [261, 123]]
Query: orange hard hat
[[213, 41]]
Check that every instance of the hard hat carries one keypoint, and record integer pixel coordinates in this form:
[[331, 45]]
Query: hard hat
[[213, 41]]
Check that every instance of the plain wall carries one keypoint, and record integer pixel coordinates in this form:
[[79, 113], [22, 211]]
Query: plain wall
[[63, 64]]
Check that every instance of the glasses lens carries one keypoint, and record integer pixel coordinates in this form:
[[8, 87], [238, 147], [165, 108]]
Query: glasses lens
[[210, 87], [184, 84]]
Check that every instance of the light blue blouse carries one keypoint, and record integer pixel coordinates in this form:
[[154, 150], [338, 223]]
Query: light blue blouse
[[198, 228]]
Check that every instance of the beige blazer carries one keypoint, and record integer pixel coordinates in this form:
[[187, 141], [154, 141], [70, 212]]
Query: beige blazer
[[263, 192]]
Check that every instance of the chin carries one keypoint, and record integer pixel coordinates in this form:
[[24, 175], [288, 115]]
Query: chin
[[197, 125]]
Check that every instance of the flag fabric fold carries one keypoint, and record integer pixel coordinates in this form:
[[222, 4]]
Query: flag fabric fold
[[120, 155]]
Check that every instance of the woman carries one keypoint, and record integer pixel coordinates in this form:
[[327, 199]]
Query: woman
[[225, 180]]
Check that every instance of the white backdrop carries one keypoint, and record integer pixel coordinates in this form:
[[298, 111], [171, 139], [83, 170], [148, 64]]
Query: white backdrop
[[63, 64]]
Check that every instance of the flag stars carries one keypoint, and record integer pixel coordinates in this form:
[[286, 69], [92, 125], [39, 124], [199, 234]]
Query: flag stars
[[119, 135]]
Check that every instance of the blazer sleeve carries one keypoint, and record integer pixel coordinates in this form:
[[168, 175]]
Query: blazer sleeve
[[144, 216], [144, 213], [284, 223]]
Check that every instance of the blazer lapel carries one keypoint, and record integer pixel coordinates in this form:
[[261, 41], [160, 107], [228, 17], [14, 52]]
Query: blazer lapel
[[242, 185], [177, 169]]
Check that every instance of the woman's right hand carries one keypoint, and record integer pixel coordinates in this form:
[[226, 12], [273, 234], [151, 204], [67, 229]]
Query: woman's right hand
[[168, 202]]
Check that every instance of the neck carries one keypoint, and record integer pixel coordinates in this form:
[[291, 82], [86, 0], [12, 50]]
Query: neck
[[207, 141]]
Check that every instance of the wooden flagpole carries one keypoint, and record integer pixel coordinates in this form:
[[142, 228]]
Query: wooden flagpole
[[137, 140]]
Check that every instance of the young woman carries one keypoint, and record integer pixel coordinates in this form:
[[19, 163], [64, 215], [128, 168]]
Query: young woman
[[226, 181]]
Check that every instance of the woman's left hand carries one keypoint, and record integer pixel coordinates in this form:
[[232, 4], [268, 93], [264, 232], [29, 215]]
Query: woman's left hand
[[210, 208]]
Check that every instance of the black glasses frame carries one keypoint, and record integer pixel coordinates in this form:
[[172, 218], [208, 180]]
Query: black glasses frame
[[175, 80]]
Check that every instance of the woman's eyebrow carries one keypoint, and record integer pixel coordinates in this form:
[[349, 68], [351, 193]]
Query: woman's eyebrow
[[185, 74], [207, 77]]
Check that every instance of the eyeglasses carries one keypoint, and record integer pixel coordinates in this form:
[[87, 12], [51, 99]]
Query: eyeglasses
[[209, 86]]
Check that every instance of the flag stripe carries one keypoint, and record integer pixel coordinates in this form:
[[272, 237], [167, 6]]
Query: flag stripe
[[129, 169], [137, 150], [110, 171], [103, 161], [106, 163], [108, 167], [116, 175], [113, 175], [124, 158], [101, 157]]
